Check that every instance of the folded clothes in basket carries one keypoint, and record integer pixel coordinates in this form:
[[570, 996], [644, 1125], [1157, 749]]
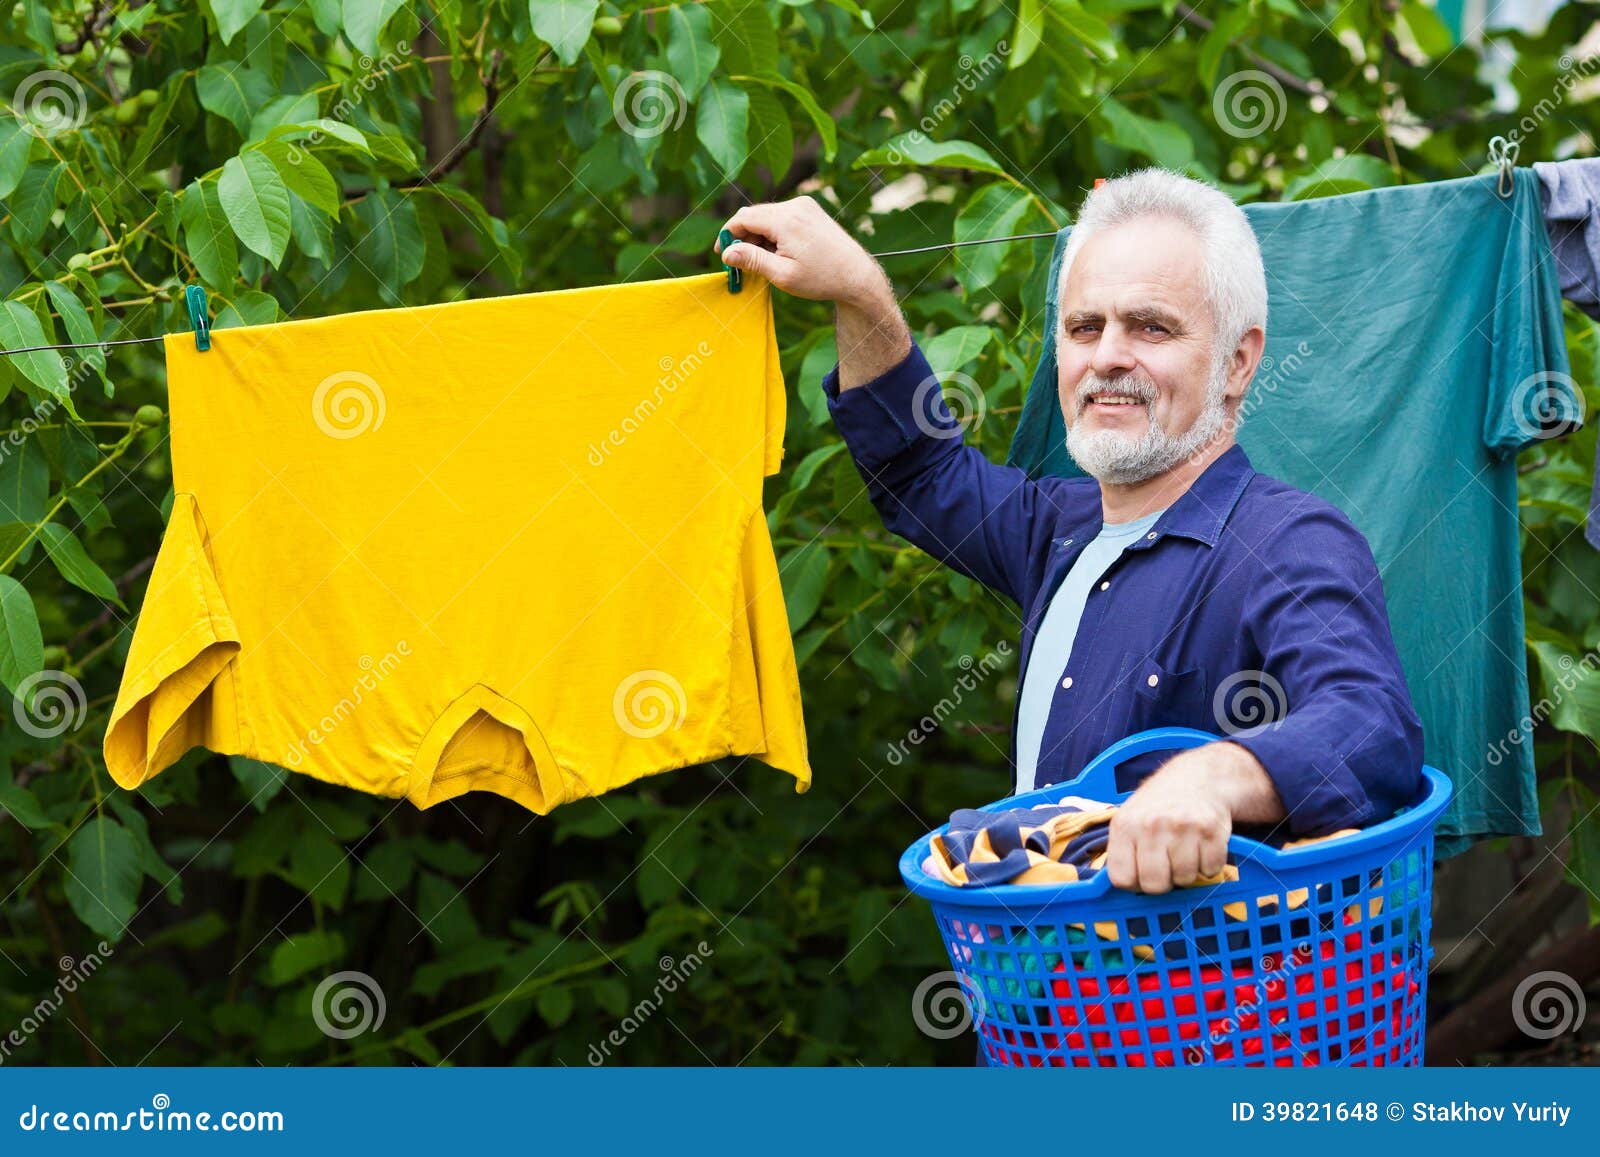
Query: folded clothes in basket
[[1061, 843], [1058, 843]]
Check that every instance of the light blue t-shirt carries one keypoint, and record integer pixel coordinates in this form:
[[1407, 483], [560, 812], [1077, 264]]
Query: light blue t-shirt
[[1051, 650]]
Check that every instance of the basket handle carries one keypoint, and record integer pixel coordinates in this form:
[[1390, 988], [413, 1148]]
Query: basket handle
[[1098, 780]]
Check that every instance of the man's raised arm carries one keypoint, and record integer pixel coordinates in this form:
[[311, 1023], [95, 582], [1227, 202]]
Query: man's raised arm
[[940, 494]]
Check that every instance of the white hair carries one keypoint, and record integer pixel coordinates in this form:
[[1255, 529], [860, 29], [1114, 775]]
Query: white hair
[[1235, 281]]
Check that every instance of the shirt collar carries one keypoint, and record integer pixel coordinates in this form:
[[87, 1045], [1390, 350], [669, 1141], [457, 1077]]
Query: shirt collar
[[1201, 511]]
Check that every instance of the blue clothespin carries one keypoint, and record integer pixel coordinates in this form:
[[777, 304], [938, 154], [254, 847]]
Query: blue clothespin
[[735, 276], [199, 319]]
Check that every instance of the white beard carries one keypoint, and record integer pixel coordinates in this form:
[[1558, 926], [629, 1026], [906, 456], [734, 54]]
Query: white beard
[[1114, 457]]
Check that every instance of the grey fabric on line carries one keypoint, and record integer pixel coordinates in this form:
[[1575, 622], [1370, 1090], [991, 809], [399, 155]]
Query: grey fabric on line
[[1570, 191]]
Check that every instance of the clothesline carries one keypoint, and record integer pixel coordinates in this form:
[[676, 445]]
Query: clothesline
[[891, 253]]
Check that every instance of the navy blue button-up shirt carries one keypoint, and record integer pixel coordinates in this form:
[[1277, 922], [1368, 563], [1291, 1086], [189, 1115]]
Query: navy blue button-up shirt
[[1251, 609]]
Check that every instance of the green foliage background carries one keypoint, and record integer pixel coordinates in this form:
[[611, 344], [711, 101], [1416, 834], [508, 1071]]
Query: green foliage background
[[302, 159]]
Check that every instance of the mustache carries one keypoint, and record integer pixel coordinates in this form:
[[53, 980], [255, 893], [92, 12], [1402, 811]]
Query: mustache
[[1136, 386]]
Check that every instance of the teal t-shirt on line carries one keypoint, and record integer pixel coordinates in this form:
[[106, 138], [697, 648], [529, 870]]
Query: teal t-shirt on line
[[1414, 346], [1057, 630]]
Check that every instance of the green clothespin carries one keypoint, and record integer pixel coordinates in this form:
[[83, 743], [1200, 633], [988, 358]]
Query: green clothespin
[[735, 276], [199, 319]]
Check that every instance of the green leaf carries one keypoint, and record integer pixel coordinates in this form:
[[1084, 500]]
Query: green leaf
[[1432, 34], [1029, 32], [563, 24], [20, 329], [34, 201], [826, 129], [744, 33], [15, 144], [996, 210], [259, 781], [319, 867], [691, 53], [365, 20], [302, 953], [305, 176], [555, 1005], [24, 483], [803, 473], [207, 238], [21, 644], [234, 92], [1091, 31], [1350, 173], [805, 580], [233, 15], [75, 564], [391, 243], [104, 871], [315, 131], [80, 328], [722, 121], [252, 307], [280, 111], [916, 150], [955, 347], [20, 804], [256, 202], [1165, 143]]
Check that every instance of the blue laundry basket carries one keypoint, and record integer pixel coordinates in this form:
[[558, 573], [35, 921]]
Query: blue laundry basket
[[1314, 956]]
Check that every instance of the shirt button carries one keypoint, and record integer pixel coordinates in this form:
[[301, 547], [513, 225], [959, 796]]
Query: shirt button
[[1153, 680], [1151, 536], [1066, 684], [1105, 586]]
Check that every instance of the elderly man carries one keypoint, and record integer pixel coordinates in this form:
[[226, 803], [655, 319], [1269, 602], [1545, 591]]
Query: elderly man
[[1175, 577]]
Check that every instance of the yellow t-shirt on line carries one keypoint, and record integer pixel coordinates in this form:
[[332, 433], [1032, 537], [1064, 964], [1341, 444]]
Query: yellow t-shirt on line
[[511, 545]]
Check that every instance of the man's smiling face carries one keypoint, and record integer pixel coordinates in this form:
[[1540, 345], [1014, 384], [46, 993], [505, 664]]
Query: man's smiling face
[[1136, 352]]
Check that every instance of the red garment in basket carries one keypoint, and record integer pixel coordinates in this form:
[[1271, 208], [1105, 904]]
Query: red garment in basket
[[1361, 1025]]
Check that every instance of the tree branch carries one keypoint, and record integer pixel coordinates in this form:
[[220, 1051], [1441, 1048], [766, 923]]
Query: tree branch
[[1282, 75]]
